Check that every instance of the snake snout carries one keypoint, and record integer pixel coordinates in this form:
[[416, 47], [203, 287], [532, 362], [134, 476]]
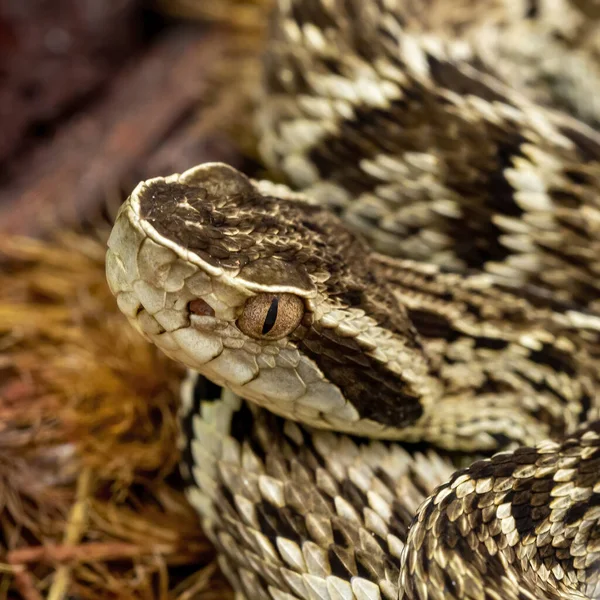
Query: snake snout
[[201, 308]]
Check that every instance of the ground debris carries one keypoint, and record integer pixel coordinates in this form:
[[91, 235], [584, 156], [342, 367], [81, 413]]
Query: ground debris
[[90, 499]]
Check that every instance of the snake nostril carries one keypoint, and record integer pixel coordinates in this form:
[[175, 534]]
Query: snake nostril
[[201, 307]]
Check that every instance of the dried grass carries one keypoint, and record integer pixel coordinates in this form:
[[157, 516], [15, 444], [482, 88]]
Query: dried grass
[[90, 500], [247, 15]]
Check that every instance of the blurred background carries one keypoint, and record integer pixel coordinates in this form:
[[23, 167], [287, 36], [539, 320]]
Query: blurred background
[[98, 94]]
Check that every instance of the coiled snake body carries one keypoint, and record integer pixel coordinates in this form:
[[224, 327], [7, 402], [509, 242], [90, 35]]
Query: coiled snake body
[[429, 131]]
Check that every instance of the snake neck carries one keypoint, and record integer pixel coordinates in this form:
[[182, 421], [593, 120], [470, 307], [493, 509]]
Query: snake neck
[[504, 365]]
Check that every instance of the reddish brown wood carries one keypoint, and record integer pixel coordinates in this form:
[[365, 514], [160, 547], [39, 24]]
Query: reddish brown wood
[[53, 54], [108, 146]]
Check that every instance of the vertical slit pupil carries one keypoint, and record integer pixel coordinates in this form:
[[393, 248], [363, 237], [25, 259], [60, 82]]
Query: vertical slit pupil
[[271, 316]]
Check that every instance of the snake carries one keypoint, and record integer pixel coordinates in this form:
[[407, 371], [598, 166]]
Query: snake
[[393, 356]]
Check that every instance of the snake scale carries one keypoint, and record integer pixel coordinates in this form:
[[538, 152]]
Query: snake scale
[[416, 332]]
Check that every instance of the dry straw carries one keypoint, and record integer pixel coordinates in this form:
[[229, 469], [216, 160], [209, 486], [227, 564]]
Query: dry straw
[[90, 500]]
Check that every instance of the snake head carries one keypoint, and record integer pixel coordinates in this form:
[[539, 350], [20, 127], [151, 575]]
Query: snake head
[[261, 291]]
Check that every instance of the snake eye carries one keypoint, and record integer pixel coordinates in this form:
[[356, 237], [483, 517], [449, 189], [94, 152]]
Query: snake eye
[[271, 316]]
